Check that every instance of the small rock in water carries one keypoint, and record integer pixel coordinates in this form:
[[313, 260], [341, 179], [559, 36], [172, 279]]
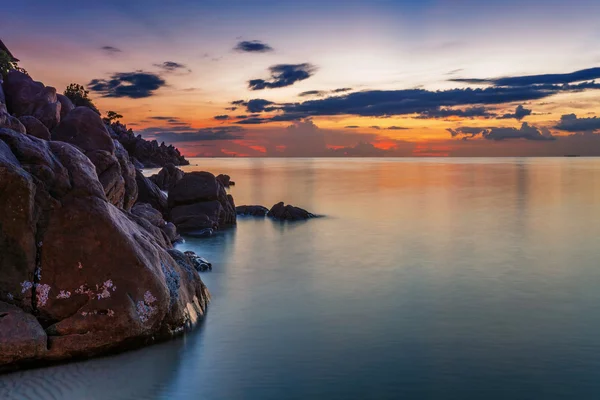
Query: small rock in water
[[282, 212], [200, 263]]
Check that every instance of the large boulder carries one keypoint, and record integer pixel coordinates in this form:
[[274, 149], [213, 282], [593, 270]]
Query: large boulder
[[151, 194], [198, 201], [24, 96], [95, 279], [84, 128], [282, 212], [167, 177], [9, 122], [225, 180], [34, 127]]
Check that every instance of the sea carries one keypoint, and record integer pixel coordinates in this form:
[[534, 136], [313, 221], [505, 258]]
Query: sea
[[429, 278]]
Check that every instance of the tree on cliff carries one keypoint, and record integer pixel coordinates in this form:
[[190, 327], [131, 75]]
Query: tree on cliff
[[8, 63], [111, 116], [80, 97]]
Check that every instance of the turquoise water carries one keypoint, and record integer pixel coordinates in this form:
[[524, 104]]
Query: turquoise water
[[427, 279]]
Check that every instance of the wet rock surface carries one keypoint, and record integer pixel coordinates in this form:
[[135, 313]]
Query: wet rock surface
[[283, 212]]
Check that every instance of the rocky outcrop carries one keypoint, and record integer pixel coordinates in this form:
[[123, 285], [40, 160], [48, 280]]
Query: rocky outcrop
[[254, 211], [149, 153], [151, 194], [24, 96], [83, 128], [225, 180], [282, 212], [34, 127], [191, 258], [82, 276], [167, 177], [199, 202], [10, 122], [155, 218]]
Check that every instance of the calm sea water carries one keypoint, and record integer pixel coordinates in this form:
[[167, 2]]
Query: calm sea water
[[427, 279]]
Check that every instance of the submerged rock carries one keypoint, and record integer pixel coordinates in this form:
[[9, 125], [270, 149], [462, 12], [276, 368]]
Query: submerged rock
[[93, 277], [255, 211], [282, 212]]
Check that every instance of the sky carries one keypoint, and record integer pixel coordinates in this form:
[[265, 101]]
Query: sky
[[328, 78]]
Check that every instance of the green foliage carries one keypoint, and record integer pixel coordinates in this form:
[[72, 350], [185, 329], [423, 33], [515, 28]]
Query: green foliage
[[7, 64], [80, 97], [111, 117]]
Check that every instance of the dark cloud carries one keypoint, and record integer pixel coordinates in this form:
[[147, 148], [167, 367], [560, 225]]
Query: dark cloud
[[381, 103], [520, 113], [221, 117], [163, 118], [471, 112], [283, 75], [546, 79], [252, 121], [313, 93], [396, 128], [172, 66], [231, 108], [352, 127], [341, 90], [253, 46], [256, 105], [189, 134], [135, 85], [111, 49], [526, 132], [571, 123]]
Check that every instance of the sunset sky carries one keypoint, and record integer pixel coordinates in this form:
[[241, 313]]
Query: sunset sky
[[328, 78]]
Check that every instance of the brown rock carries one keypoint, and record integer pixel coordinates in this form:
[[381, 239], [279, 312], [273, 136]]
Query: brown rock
[[102, 281], [21, 335], [149, 193], [27, 97], [34, 127], [288, 213], [85, 129]]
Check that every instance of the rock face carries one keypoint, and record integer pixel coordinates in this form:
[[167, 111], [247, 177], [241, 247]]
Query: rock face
[[167, 177], [289, 213], [149, 193], [198, 202], [254, 211], [155, 218], [149, 153], [83, 128], [66, 105], [24, 96], [34, 127], [82, 276]]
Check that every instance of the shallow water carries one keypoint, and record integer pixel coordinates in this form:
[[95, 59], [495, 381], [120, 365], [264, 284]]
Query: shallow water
[[428, 279]]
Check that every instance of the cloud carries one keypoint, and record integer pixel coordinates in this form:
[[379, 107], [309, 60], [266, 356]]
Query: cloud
[[526, 132], [546, 79], [471, 112], [382, 103], [135, 85], [221, 117], [571, 123], [163, 118], [172, 66], [361, 149], [189, 134], [520, 113], [253, 46], [341, 90], [313, 93], [396, 128], [111, 49], [283, 75], [352, 127], [255, 105]]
